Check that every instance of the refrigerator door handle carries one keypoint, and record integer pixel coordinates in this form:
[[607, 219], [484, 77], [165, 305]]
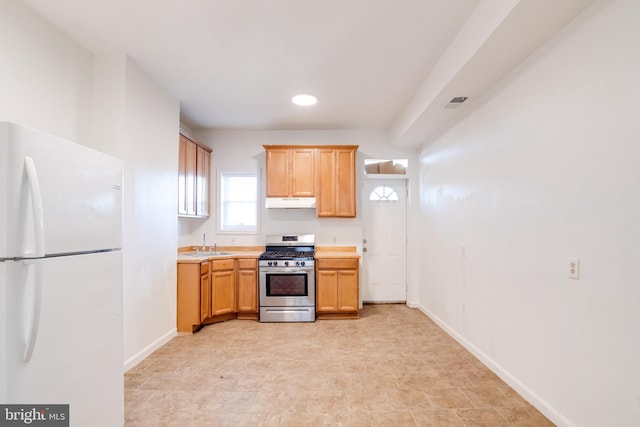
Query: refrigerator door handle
[[36, 205], [36, 308]]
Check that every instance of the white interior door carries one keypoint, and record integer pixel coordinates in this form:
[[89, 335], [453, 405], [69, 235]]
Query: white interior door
[[384, 241]]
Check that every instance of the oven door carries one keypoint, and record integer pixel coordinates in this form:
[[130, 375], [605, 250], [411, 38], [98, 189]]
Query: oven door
[[287, 287]]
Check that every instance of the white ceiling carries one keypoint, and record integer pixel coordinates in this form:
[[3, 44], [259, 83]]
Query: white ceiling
[[373, 64]]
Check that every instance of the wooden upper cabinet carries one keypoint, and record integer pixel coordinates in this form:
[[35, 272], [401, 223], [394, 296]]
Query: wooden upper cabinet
[[187, 177], [303, 172], [278, 172], [203, 178], [194, 176], [290, 171], [336, 190], [326, 199]]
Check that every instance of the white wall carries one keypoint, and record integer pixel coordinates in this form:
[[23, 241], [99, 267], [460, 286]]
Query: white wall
[[45, 77], [150, 221], [243, 151], [105, 101], [546, 169], [135, 119]]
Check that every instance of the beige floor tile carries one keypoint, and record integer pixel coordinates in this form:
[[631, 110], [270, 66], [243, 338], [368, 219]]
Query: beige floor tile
[[298, 419], [525, 417], [437, 418], [487, 397], [448, 398], [483, 417], [391, 367]]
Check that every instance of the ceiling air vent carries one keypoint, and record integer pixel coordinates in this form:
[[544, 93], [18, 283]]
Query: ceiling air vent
[[456, 101]]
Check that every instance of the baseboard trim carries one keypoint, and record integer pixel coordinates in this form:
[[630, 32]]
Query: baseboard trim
[[539, 403], [142, 354]]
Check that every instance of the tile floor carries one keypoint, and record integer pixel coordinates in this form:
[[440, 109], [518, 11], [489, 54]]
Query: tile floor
[[393, 366]]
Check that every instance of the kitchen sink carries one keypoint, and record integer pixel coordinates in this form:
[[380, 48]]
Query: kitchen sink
[[207, 253]]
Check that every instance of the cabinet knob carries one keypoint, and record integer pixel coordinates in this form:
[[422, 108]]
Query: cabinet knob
[[364, 241], [364, 249]]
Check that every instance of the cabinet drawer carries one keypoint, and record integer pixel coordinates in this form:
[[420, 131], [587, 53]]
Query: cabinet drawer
[[247, 263], [337, 263], [204, 268], [222, 264]]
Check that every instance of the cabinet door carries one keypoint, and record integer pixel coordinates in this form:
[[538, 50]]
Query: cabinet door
[[326, 290], [326, 194], [203, 166], [187, 154], [223, 292], [188, 297], [205, 297], [347, 290], [190, 176], [247, 291], [302, 172], [336, 195], [345, 183], [278, 173]]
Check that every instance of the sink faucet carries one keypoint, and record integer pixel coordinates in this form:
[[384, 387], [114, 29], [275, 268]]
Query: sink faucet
[[204, 241]]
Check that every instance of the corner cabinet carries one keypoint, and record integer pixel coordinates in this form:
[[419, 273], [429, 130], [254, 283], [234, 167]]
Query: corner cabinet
[[290, 171], [337, 288], [216, 290], [194, 175], [336, 191]]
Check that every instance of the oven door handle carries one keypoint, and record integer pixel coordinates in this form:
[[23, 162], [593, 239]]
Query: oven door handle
[[271, 270]]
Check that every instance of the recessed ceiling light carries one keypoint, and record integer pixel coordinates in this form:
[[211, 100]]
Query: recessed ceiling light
[[304, 99]]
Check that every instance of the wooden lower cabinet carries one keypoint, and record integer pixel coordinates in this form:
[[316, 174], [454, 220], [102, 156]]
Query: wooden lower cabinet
[[205, 292], [215, 291], [247, 288], [223, 287], [337, 288], [194, 302]]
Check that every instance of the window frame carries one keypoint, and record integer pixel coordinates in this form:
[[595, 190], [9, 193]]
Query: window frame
[[221, 202]]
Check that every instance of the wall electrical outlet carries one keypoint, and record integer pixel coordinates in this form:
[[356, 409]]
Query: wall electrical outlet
[[574, 268]]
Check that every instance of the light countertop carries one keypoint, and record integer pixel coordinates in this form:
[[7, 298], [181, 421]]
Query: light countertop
[[183, 257], [336, 252]]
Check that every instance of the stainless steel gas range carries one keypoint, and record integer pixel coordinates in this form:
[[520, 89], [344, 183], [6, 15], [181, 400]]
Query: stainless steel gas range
[[287, 279]]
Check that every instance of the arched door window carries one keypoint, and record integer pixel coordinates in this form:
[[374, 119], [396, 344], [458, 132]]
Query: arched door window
[[383, 193]]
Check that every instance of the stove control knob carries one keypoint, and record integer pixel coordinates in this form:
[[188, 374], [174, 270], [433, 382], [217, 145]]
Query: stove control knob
[[269, 263], [302, 263], [275, 263], [286, 263]]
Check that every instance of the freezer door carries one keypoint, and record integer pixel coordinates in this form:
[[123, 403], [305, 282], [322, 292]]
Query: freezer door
[[79, 207], [77, 356]]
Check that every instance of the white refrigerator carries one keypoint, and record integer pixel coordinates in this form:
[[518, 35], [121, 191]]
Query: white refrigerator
[[60, 276]]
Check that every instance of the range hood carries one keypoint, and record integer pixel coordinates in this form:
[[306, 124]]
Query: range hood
[[290, 202]]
